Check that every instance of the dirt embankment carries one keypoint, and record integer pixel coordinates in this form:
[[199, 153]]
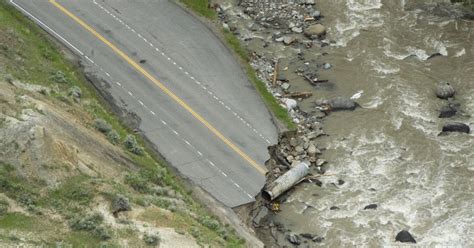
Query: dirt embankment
[[45, 144]]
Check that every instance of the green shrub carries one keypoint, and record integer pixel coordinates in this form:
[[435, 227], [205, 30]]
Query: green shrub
[[152, 239], [102, 125], [9, 78], [3, 207], [120, 204], [90, 223], [154, 175], [141, 201], [137, 183], [162, 202], [27, 201], [195, 232], [73, 194], [75, 92], [209, 222], [16, 188], [131, 145], [113, 137], [59, 77]]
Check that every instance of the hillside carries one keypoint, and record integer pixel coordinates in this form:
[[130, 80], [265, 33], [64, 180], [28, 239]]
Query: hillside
[[70, 172]]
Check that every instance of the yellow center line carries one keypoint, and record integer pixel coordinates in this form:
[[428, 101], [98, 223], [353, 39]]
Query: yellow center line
[[173, 96]]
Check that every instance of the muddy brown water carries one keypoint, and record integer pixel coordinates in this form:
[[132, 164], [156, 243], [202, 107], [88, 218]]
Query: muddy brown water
[[388, 152]]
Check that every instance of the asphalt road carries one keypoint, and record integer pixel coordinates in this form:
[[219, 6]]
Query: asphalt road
[[194, 101]]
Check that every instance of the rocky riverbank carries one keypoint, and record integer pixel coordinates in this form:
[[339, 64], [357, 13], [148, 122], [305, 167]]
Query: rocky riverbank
[[279, 36]]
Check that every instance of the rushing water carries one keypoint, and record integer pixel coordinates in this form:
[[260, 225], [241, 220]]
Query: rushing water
[[389, 152]]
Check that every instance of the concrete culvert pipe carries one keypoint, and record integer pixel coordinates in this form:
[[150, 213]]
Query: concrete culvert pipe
[[286, 181]]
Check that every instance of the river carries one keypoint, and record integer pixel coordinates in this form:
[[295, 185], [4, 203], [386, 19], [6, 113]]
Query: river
[[389, 152]]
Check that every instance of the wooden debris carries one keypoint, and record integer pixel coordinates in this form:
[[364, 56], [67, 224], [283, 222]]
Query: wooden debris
[[304, 94], [314, 82], [275, 74]]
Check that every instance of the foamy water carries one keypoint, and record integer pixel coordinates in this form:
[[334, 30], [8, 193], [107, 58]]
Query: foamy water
[[389, 152]]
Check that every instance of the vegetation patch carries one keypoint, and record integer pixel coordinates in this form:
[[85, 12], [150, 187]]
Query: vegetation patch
[[279, 112], [152, 239], [4, 206], [92, 224], [16, 188], [72, 196], [201, 7], [16, 221]]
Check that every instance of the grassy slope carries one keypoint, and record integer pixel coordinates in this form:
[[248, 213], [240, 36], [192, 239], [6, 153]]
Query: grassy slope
[[27, 55], [201, 7]]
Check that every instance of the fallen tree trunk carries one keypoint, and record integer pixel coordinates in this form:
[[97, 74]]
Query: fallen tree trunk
[[286, 181], [314, 82], [304, 94]]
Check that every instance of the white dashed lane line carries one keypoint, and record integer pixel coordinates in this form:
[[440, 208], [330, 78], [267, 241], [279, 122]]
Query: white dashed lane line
[[164, 122], [180, 68]]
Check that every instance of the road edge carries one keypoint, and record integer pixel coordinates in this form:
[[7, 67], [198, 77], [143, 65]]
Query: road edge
[[219, 34]]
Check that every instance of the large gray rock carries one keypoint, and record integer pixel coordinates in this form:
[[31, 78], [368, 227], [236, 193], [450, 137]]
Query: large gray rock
[[456, 127], [447, 111], [293, 238], [316, 14], [290, 103], [445, 91], [315, 31], [342, 103], [288, 40], [405, 237], [297, 30]]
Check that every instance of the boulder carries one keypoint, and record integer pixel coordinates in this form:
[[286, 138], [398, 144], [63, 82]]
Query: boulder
[[279, 39], [405, 237], [445, 91], [456, 127], [318, 239], [290, 103], [299, 150], [370, 206], [316, 14], [294, 142], [342, 103], [225, 26], [288, 40], [312, 150], [447, 111], [308, 235], [293, 238], [327, 66], [317, 182], [320, 162], [297, 30], [315, 31]]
